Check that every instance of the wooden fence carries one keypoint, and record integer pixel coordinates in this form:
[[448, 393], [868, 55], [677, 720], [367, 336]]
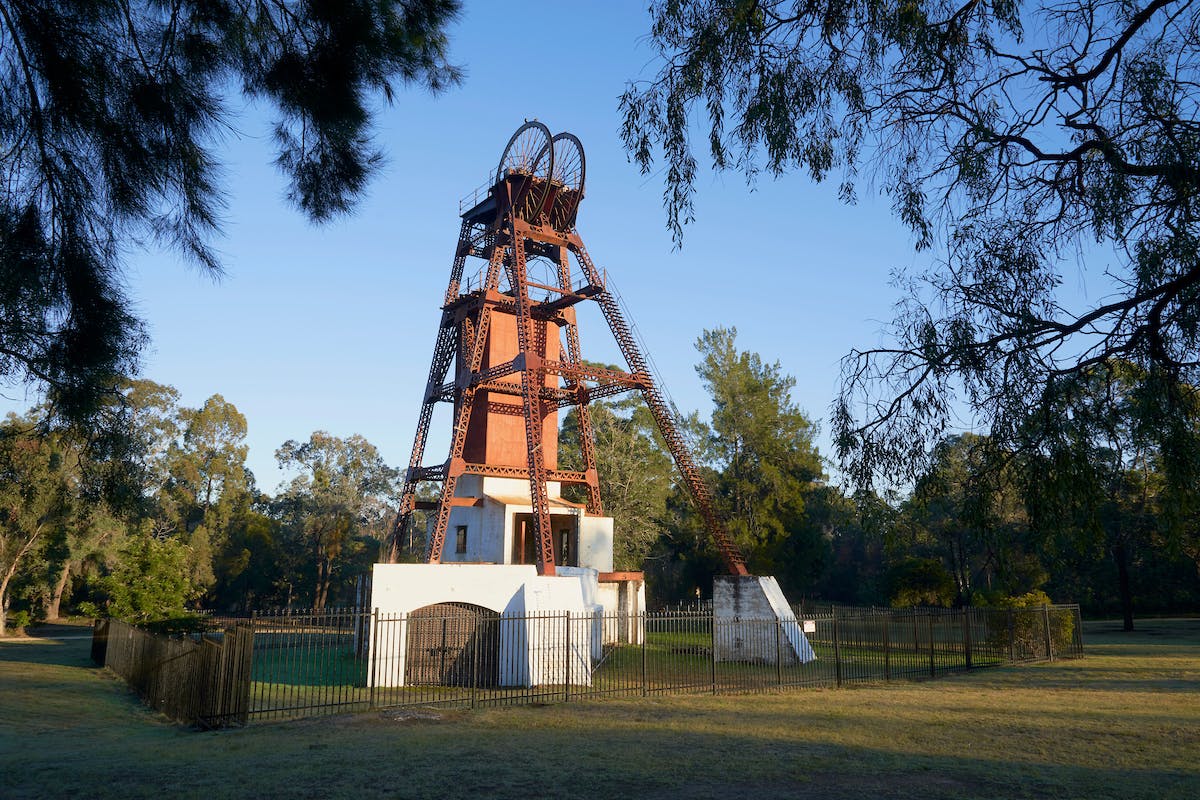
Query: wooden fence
[[204, 682]]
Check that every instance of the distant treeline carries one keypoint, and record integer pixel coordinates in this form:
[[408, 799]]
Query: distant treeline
[[160, 514]]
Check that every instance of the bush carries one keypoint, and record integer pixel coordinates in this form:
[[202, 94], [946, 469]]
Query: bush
[[1023, 627], [182, 625], [18, 621], [920, 582], [149, 584]]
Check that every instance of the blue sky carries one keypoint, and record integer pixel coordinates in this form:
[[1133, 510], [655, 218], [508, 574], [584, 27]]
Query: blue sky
[[331, 328]]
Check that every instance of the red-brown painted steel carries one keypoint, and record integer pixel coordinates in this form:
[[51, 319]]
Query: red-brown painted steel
[[530, 211]]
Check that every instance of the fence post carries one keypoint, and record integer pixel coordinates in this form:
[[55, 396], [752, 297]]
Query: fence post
[[1049, 640], [887, 649], [1077, 638], [475, 662], [932, 663], [1012, 635], [966, 612], [712, 660], [252, 626], [374, 654], [645, 635], [779, 652], [567, 686], [837, 647], [244, 635]]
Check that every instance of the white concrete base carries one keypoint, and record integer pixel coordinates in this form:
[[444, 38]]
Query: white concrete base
[[766, 629], [537, 646]]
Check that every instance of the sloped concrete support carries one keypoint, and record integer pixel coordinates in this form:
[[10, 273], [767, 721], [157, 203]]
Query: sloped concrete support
[[766, 630]]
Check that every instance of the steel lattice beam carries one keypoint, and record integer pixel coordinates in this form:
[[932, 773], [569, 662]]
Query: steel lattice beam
[[664, 418], [508, 226]]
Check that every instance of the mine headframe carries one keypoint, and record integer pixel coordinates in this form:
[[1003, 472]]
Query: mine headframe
[[507, 352]]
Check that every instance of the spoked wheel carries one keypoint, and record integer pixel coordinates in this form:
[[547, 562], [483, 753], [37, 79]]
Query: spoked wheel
[[570, 171], [528, 161]]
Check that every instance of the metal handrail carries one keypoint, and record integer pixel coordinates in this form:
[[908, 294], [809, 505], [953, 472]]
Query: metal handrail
[[478, 194]]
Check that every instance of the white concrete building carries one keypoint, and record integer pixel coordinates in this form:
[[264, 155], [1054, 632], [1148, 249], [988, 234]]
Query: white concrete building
[[498, 527], [550, 628]]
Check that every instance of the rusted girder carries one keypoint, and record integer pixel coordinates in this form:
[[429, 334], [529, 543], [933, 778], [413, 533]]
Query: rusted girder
[[434, 472], [530, 211]]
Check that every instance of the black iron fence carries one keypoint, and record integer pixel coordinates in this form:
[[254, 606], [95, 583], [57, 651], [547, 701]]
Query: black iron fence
[[304, 664]]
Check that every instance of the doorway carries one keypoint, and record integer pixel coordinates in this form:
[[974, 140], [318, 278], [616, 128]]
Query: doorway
[[525, 546]]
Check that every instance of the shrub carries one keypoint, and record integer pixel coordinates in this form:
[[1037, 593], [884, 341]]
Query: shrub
[[920, 582], [18, 621], [150, 584], [181, 625], [1022, 628]]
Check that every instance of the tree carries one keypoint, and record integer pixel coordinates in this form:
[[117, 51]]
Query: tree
[[35, 496], [148, 580], [108, 483], [112, 111], [1007, 135], [760, 445], [341, 492], [208, 481], [764, 472], [968, 511], [145, 427], [920, 582], [80, 544], [636, 473], [210, 462], [1099, 482], [249, 565], [858, 529]]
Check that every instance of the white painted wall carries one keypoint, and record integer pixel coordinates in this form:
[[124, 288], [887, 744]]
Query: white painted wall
[[624, 606], [766, 630], [537, 645], [595, 542]]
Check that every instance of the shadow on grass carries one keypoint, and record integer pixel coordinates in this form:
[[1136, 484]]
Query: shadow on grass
[[50, 644], [1182, 632]]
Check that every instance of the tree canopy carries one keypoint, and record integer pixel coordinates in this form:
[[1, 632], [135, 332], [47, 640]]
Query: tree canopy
[[343, 488], [1010, 137], [636, 473], [110, 115]]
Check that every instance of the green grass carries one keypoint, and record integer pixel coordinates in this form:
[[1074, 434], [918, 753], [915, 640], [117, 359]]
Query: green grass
[[671, 658], [1124, 722], [309, 666]]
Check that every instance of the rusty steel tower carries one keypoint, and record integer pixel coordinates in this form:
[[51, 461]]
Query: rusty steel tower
[[512, 372]]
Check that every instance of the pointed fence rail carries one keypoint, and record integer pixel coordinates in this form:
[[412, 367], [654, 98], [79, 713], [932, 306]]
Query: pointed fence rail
[[203, 681], [287, 664]]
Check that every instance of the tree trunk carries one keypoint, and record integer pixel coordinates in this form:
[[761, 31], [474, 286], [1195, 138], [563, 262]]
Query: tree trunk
[[12, 570], [54, 607], [1121, 555], [8, 573], [322, 592], [4, 600]]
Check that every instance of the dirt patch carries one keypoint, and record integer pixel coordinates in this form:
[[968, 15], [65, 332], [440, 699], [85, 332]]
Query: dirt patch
[[412, 715]]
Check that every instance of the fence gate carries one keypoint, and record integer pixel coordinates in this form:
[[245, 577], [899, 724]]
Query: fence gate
[[452, 644]]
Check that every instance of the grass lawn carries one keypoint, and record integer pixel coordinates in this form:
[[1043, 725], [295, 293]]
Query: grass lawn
[[1122, 723]]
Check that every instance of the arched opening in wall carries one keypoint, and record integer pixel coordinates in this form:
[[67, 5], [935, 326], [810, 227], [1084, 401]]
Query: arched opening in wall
[[452, 644]]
